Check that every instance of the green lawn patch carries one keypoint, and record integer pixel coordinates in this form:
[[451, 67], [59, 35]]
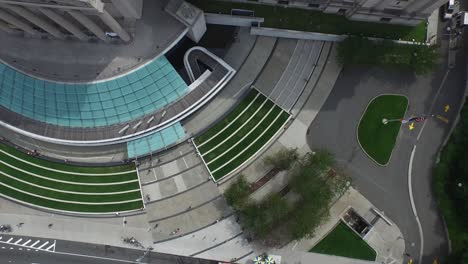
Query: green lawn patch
[[254, 127], [73, 187], [259, 143], [249, 113], [69, 207], [230, 117], [342, 241], [66, 167], [238, 134], [316, 21], [21, 175], [376, 138]]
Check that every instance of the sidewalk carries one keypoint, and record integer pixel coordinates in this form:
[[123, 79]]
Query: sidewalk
[[385, 239], [294, 135]]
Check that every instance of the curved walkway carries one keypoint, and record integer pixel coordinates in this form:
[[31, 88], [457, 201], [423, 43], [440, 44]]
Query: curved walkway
[[122, 130]]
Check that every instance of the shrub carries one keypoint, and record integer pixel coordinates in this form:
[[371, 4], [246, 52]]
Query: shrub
[[261, 218], [418, 58], [237, 195], [282, 159]]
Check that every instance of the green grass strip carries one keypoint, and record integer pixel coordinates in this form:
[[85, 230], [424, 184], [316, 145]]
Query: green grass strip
[[237, 138], [342, 241], [250, 112], [254, 148], [67, 177], [239, 122], [67, 186], [84, 208], [316, 21], [228, 119], [234, 136], [376, 138], [66, 167], [69, 196]]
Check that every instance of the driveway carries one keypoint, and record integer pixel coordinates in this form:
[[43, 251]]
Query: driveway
[[387, 187]]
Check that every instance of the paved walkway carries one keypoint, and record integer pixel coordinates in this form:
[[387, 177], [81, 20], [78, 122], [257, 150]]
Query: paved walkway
[[83, 61], [235, 89], [386, 239], [193, 220]]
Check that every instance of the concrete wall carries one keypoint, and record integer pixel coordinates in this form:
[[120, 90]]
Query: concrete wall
[[239, 21], [410, 12]]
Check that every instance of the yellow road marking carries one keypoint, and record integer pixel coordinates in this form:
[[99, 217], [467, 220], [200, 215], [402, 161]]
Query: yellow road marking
[[411, 126], [443, 119], [447, 108]]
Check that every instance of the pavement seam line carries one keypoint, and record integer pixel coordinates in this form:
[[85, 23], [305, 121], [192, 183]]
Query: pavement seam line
[[287, 66], [66, 172], [193, 231], [168, 161], [413, 206], [300, 63], [185, 211], [179, 193], [170, 176], [312, 70], [216, 245], [230, 123]]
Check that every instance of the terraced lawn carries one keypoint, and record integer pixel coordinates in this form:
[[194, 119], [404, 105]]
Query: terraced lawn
[[241, 134], [378, 139], [74, 189]]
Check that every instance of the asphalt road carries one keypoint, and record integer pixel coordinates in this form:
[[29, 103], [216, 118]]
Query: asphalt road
[[387, 187], [70, 252]]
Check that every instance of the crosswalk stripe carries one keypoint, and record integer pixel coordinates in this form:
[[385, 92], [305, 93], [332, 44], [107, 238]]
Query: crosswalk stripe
[[27, 242], [49, 248], [20, 248], [1, 237], [19, 240], [45, 243], [9, 240], [35, 243]]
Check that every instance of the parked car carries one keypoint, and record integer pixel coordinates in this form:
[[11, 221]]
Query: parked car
[[448, 10]]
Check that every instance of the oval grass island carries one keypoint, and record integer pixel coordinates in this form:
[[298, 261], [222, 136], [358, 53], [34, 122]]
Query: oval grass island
[[376, 138]]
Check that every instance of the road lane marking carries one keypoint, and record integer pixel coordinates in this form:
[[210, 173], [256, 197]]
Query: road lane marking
[[9, 240], [49, 248], [443, 119], [43, 245], [433, 102], [447, 108], [413, 206], [27, 242], [94, 257], [19, 240], [35, 243]]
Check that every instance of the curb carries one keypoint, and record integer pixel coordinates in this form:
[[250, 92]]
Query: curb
[[398, 134]]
